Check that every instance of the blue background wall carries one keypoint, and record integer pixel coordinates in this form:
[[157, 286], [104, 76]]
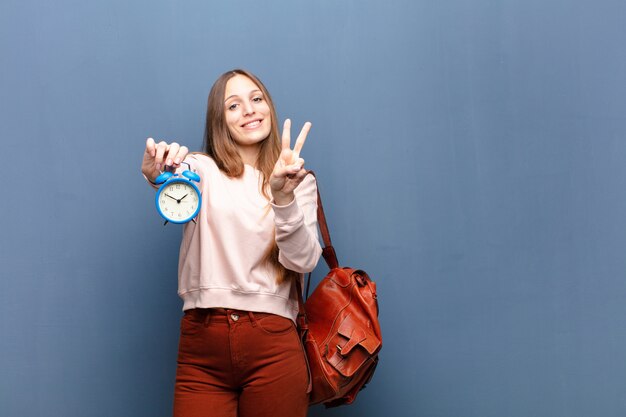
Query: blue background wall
[[471, 156]]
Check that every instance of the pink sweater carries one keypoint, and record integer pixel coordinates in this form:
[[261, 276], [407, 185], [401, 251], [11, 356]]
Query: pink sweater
[[220, 263]]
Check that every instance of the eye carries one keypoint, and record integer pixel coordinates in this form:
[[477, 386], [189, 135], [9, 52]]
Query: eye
[[233, 106], [257, 99]]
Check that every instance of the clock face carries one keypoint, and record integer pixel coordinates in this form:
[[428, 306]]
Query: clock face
[[178, 201]]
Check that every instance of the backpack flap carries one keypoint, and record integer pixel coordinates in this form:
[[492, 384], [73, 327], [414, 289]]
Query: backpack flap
[[356, 345], [358, 335]]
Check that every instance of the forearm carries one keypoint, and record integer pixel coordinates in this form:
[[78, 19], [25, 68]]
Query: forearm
[[296, 229]]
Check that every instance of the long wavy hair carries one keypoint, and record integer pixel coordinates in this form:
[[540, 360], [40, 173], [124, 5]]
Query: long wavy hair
[[219, 145]]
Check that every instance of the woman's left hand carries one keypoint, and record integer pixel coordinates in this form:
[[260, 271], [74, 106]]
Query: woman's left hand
[[289, 169]]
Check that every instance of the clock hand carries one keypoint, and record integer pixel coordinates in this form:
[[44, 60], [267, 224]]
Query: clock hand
[[181, 199], [170, 196]]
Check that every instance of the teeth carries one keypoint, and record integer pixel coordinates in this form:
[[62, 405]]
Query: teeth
[[252, 124]]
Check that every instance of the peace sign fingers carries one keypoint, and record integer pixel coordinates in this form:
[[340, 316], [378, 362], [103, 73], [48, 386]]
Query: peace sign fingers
[[286, 140], [289, 169]]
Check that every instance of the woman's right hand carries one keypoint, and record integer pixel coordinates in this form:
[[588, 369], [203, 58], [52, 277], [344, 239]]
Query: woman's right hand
[[161, 156]]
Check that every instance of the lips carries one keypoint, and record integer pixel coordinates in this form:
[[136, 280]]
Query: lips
[[253, 124]]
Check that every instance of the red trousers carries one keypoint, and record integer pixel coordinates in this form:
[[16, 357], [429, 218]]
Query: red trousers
[[239, 364]]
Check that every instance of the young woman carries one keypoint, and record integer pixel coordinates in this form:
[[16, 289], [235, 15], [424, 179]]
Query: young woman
[[256, 233]]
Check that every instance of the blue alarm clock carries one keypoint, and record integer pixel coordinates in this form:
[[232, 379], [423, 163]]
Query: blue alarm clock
[[178, 199]]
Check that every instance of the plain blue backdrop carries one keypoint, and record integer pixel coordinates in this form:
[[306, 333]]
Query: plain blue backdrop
[[471, 155]]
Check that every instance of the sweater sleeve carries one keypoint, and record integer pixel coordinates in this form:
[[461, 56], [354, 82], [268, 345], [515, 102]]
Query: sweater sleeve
[[296, 229]]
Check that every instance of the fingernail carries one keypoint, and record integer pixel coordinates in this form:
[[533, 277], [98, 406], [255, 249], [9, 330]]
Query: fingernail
[[169, 162], [158, 166], [177, 161]]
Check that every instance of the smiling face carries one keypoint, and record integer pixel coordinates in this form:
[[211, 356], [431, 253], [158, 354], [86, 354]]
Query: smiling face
[[247, 115]]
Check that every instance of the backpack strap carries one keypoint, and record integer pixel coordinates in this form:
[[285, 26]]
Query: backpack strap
[[328, 252]]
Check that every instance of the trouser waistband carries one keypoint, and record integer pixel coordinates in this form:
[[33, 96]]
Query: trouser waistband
[[223, 315]]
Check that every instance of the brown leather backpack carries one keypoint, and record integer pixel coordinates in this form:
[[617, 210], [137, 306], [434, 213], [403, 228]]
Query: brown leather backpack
[[339, 327]]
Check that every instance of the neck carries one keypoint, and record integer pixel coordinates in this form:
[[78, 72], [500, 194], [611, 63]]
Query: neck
[[249, 154]]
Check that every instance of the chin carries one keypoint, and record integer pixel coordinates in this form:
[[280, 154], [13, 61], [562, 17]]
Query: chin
[[258, 137]]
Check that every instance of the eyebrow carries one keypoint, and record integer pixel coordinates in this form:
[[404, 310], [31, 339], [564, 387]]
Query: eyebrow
[[235, 95]]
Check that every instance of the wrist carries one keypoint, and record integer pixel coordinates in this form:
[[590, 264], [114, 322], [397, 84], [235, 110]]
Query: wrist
[[283, 199]]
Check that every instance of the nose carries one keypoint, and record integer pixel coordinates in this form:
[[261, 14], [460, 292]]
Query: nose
[[248, 108]]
